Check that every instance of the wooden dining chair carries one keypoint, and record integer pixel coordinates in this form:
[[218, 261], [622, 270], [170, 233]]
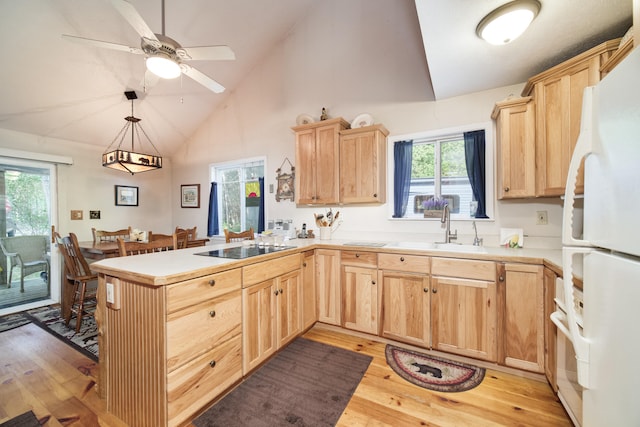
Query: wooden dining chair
[[158, 244], [79, 275], [110, 236], [231, 236], [191, 232]]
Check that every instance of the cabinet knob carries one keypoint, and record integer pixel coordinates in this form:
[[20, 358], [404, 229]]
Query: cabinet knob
[[276, 292], [506, 189], [373, 282], [401, 259], [212, 282], [426, 290], [357, 255], [501, 278], [375, 194], [281, 291], [212, 313], [212, 364], [304, 264], [435, 291]]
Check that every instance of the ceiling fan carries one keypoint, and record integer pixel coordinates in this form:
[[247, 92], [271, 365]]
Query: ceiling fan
[[165, 57]]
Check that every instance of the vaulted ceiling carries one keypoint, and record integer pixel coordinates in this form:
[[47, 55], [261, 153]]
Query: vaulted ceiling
[[55, 88]]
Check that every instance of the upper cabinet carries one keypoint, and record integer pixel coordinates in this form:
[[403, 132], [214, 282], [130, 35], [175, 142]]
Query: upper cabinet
[[338, 165], [515, 123], [557, 100], [317, 162], [363, 160]]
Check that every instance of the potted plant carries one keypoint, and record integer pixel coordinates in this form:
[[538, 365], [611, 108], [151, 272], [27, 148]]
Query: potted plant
[[433, 207]]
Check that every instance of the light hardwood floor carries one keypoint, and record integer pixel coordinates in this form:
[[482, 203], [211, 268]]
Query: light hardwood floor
[[40, 373]]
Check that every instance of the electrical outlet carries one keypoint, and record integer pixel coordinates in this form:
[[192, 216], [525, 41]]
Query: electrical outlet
[[541, 218]]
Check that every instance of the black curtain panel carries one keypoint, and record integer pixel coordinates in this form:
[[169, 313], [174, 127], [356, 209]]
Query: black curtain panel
[[261, 210], [474, 148], [402, 158], [212, 225]]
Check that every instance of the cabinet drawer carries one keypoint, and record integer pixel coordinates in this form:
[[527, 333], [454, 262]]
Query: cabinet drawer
[[191, 387], [203, 288], [359, 259], [262, 271], [465, 268], [197, 329], [401, 262]]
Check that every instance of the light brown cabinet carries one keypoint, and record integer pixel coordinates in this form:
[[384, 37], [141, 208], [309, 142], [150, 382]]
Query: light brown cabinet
[[272, 307], [318, 162], [309, 291], [464, 307], [552, 104], [363, 160], [327, 266], [522, 331], [187, 336], [558, 98], [516, 154], [406, 295], [360, 291]]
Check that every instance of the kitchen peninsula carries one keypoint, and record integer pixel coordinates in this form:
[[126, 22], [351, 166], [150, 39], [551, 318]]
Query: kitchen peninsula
[[177, 329]]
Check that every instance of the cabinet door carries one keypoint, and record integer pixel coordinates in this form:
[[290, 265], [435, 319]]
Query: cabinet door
[[362, 165], [360, 299], [405, 307], [328, 164], [305, 181], [558, 114], [289, 301], [328, 284], [550, 330], [523, 317], [309, 307], [258, 325], [463, 313], [515, 128]]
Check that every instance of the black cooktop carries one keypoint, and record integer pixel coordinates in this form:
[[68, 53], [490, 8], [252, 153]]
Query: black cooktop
[[241, 252]]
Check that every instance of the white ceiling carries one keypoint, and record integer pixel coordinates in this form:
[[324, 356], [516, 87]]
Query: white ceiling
[[55, 88]]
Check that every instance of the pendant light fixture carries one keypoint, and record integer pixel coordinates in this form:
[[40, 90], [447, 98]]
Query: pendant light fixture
[[508, 22], [131, 161]]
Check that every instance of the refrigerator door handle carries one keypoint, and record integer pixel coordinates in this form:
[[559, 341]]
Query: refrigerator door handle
[[584, 146], [580, 343]]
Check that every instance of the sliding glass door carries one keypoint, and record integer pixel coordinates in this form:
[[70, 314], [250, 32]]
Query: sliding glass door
[[29, 272]]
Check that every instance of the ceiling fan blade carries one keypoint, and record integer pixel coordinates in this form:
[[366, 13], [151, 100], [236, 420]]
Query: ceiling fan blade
[[132, 16], [107, 45], [203, 79], [216, 53]]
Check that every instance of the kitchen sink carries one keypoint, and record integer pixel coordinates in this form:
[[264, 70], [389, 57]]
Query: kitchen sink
[[429, 246]]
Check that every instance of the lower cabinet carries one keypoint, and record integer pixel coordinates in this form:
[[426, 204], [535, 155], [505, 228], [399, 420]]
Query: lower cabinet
[[327, 266], [360, 291], [271, 308], [309, 291], [523, 326], [405, 298], [464, 307]]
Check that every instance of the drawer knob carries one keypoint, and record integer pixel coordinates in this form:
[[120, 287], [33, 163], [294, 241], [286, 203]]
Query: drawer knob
[[426, 290], [212, 282], [212, 313], [506, 189], [435, 291], [212, 363], [357, 255], [401, 259]]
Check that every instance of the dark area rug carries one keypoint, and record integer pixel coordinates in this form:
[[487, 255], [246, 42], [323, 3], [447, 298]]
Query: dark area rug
[[85, 341], [28, 419], [12, 321], [306, 384], [431, 372]]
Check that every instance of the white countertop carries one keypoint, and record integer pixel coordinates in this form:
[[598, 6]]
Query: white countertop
[[160, 268]]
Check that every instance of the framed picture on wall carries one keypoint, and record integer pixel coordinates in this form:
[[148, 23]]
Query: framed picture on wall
[[126, 195], [190, 196]]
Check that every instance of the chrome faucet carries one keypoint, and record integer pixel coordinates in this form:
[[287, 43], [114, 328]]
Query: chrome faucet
[[446, 220], [476, 240]]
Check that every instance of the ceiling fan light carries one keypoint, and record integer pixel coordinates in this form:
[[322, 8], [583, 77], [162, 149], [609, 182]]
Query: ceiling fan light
[[508, 22], [163, 67]]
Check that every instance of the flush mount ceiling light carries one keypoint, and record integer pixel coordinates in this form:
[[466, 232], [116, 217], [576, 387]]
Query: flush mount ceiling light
[[508, 22], [131, 161]]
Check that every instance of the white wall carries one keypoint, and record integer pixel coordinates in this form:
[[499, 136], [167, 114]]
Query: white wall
[[86, 185], [350, 57]]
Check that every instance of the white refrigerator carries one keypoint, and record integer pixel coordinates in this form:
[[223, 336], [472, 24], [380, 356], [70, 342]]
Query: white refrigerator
[[601, 244]]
